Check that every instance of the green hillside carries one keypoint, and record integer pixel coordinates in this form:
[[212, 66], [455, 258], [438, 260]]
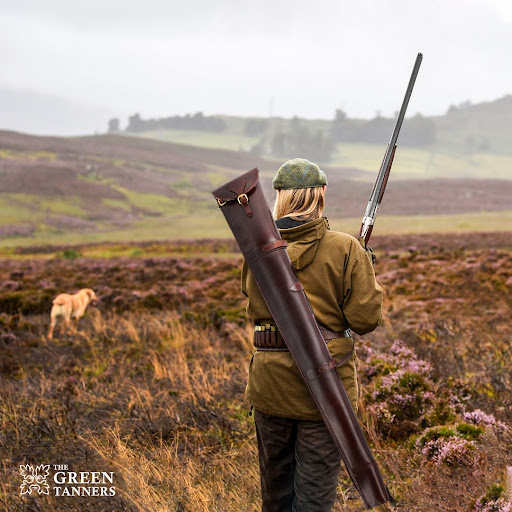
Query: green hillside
[[469, 141], [483, 127], [118, 188]]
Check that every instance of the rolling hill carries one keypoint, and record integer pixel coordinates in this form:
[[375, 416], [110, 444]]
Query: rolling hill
[[119, 187], [469, 141]]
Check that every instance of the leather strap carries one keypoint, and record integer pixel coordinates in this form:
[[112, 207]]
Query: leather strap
[[244, 201], [331, 365], [272, 341], [331, 335], [264, 249]]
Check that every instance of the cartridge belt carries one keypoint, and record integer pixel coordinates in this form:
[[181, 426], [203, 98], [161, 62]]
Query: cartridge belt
[[268, 337]]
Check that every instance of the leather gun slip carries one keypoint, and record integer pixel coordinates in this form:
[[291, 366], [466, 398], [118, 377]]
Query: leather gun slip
[[243, 204]]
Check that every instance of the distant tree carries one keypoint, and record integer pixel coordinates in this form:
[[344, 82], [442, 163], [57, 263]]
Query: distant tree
[[135, 124], [461, 106], [469, 143], [198, 118], [484, 145], [338, 125], [217, 124], [295, 124], [377, 130], [258, 148], [340, 115], [418, 131], [322, 147], [278, 145], [315, 146], [113, 125], [255, 127], [198, 121]]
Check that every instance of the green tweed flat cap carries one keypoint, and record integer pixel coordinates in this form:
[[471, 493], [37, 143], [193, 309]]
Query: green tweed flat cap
[[299, 173]]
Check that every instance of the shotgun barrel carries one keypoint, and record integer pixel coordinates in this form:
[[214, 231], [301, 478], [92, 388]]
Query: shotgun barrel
[[379, 186]]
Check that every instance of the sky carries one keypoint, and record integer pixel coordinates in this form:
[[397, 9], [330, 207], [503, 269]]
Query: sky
[[270, 57]]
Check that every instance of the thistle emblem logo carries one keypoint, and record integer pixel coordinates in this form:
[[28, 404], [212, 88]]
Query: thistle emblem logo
[[34, 479]]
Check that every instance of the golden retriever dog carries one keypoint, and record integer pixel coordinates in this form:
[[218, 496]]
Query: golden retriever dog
[[70, 307]]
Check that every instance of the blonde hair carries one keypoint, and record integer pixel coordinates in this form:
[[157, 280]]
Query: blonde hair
[[304, 204]]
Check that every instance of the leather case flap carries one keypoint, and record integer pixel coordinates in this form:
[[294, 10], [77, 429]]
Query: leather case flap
[[241, 185]]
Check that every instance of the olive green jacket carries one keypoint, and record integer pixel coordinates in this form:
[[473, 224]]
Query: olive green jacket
[[339, 281]]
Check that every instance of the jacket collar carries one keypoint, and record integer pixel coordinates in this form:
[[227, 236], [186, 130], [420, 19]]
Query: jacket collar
[[309, 231]]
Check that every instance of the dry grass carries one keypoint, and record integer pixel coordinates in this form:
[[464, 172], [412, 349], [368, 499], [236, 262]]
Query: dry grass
[[153, 390], [157, 401]]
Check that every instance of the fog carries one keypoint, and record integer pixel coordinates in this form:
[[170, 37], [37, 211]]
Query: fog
[[280, 58]]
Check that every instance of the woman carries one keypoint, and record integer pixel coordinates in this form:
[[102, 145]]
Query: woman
[[299, 462]]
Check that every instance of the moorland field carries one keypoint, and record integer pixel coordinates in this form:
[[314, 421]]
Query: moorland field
[[151, 383], [118, 187]]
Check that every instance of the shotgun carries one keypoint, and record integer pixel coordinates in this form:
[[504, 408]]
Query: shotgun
[[382, 178]]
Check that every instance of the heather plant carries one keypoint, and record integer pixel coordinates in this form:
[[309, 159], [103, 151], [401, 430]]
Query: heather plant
[[151, 385], [462, 430], [400, 391], [494, 501], [452, 451], [452, 446], [404, 398], [459, 445], [399, 357], [479, 417], [499, 505]]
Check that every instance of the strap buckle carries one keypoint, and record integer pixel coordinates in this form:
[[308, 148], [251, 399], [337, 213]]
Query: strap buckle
[[243, 200]]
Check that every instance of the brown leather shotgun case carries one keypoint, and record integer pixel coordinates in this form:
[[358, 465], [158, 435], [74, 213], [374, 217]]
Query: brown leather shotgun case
[[243, 204]]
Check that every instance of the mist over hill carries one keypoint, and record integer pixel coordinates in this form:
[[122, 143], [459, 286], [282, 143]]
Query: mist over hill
[[466, 127], [43, 114]]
